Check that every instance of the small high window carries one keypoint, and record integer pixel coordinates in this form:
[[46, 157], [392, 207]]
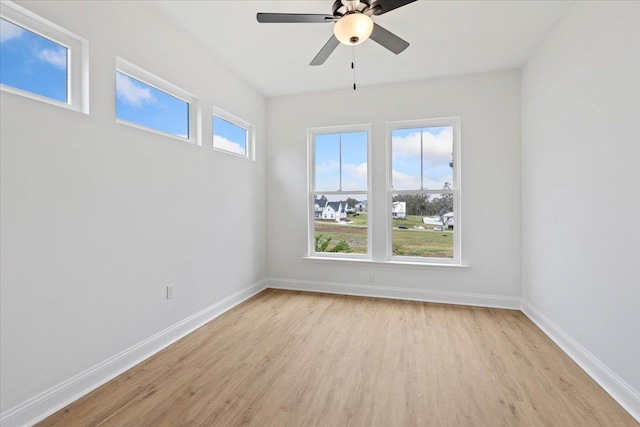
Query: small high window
[[231, 134], [41, 60], [146, 101]]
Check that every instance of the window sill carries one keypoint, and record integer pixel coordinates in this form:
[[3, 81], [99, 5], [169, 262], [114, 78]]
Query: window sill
[[391, 263], [40, 98]]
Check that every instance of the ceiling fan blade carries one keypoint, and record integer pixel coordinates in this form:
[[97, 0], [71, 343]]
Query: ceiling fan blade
[[326, 51], [384, 6], [264, 18], [386, 38]]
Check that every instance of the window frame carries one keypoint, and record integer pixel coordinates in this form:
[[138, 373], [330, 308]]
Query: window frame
[[311, 192], [454, 122], [77, 56], [235, 120], [131, 70]]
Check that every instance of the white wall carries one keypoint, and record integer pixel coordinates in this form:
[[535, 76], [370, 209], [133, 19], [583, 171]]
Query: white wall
[[489, 108], [580, 182], [97, 218]]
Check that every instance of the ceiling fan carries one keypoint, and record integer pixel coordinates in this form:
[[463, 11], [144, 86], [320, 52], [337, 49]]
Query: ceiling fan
[[353, 24]]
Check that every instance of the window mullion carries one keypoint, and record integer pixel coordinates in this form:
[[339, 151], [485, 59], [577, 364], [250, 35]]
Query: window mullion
[[340, 162], [421, 159]]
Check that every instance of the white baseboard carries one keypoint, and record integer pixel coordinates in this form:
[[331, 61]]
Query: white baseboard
[[56, 398], [460, 298], [59, 396], [623, 393]]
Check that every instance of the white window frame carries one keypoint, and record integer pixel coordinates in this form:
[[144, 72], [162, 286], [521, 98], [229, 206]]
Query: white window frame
[[148, 78], [456, 190], [77, 56], [250, 143], [311, 134]]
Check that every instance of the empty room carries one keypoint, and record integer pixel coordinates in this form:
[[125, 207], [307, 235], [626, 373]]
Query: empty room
[[319, 213]]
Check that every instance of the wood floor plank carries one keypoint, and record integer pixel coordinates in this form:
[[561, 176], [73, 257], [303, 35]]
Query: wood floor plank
[[287, 358]]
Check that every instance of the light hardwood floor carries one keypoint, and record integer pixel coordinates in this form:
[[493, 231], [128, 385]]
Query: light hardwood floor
[[293, 358]]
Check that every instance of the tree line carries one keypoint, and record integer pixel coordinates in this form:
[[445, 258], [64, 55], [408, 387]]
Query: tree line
[[426, 205]]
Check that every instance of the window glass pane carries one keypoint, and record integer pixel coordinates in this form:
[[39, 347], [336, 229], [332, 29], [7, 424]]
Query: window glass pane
[[422, 225], [405, 159], [32, 63], [354, 161], [340, 223], [327, 161], [142, 104], [229, 136], [437, 158]]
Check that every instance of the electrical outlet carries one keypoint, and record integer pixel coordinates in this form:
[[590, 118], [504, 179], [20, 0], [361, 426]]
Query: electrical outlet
[[170, 291], [372, 277]]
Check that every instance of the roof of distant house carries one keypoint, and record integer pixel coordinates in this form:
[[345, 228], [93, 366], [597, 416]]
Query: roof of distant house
[[335, 205], [321, 202]]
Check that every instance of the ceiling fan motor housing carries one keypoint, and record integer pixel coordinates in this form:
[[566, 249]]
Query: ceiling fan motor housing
[[344, 7]]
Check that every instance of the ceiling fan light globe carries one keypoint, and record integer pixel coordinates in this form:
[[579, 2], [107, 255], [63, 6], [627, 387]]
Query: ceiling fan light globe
[[353, 29]]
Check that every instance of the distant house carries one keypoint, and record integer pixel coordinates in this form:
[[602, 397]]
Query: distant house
[[361, 206], [324, 209], [447, 220], [319, 205], [399, 210], [334, 210]]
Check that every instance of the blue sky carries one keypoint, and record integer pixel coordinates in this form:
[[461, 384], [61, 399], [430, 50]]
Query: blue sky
[[229, 136], [353, 166], [32, 63], [35, 64], [437, 148], [140, 103]]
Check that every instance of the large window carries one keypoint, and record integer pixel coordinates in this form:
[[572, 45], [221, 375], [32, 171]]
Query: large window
[[424, 193], [231, 134], [41, 60], [146, 101], [339, 192]]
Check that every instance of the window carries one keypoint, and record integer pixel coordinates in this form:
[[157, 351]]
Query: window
[[41, 60], [339, 192], [424, 192], [232, 135], [146, 101]]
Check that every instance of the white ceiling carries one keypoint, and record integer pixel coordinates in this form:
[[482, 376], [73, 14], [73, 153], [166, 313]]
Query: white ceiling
[[447, 38]]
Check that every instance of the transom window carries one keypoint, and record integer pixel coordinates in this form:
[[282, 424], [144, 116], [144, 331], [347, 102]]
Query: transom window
[[423, 193], [339, 191], [146, 101], [40, 60], [231, 134]]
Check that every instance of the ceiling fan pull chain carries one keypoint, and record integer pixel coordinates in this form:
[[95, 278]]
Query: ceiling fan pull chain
[[353, 65]]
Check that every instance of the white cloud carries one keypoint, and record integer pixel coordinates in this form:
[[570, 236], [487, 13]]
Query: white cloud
[[9, 31], [224, 144], [437, 148], [327, 167], [354, 177], [430, 184], [402, 181], [129, 92], [359, 171], [55, 57]]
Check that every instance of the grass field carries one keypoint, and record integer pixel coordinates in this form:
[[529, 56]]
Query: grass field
[[411, 242]]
